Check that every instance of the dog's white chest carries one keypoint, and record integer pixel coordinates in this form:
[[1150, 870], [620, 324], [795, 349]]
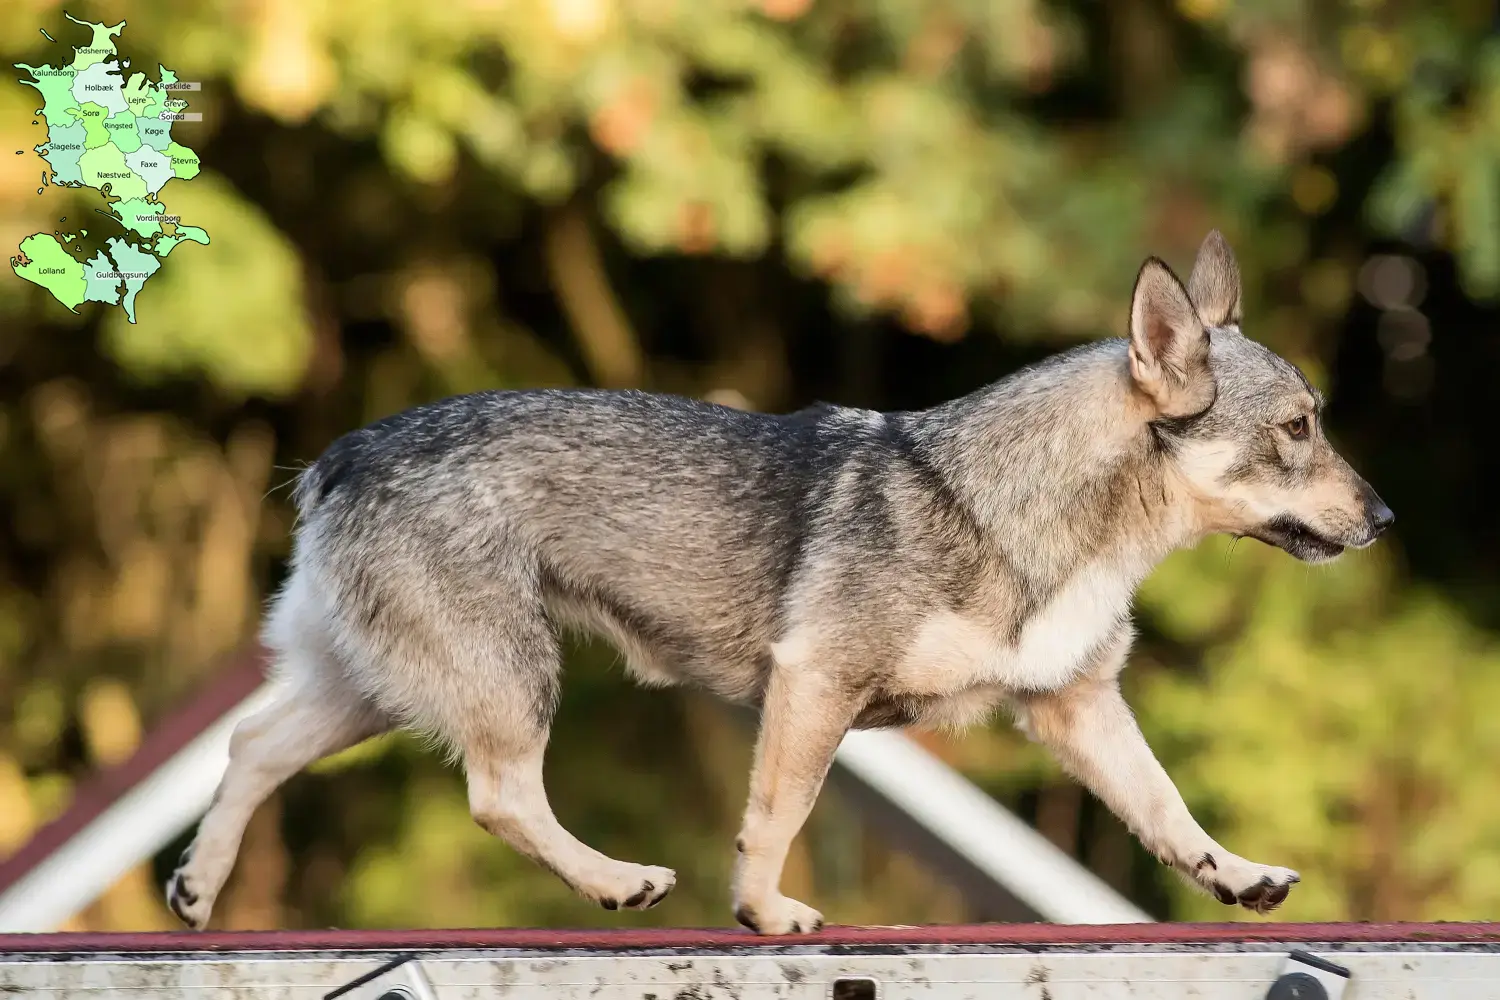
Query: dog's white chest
[[953, 651]]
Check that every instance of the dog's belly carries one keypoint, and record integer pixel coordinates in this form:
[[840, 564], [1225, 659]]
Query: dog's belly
[[950, 711], [659, 656], [953, 652]]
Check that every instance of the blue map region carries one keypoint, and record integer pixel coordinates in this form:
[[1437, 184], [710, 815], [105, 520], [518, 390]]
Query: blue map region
[[97, 289], [63, 148], [135, 267]]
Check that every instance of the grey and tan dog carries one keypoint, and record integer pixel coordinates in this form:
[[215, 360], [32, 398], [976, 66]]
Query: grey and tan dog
[[838, 568]]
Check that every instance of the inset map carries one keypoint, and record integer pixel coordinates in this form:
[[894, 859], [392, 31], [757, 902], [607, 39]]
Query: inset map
[[112, 135]]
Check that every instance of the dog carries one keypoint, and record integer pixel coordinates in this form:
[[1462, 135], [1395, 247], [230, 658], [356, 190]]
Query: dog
[[835, 568]]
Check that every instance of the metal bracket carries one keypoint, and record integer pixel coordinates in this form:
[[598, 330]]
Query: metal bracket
[[1307, 977], [399, 979]]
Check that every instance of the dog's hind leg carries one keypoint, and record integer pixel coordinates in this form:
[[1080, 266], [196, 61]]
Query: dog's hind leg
[[316, 714], [499, 714], [507, 799]]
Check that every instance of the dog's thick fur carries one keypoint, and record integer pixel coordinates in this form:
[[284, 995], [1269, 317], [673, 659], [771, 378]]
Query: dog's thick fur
[[838, 568]]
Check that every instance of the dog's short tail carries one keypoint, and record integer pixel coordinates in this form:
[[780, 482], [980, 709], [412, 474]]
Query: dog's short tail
[[344, 461], [319, 479], [308, 489]]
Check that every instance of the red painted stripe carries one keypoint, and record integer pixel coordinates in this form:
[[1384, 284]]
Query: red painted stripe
[[715, 939], [226, 689]]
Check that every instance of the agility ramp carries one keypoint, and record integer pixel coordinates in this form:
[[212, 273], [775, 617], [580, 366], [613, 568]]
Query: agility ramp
[[987, 962]]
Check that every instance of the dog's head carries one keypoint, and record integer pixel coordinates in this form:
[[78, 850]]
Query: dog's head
[[1241, 427]]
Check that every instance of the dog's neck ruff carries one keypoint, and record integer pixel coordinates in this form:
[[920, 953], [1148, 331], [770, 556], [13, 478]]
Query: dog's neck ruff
[[1060, 466]]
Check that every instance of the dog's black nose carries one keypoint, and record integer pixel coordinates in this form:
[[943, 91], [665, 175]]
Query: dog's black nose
[[1381, 517]]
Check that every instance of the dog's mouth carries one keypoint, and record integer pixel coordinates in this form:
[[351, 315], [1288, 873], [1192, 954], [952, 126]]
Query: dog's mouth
[[1297, 539]]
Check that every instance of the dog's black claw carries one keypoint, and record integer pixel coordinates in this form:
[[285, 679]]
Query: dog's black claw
[[609, 904], [179, 898], [657, 894], [1207, 861], [746, 918], [1256, 894], [1223, 895], [647, 887], [181, 890], [817, 926], [1276, 896], [185, 856]]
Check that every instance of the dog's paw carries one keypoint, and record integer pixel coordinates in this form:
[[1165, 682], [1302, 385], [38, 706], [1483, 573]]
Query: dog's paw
[[631, 887], [779, 915], [191, 906], [194, 886], [1237, 882]]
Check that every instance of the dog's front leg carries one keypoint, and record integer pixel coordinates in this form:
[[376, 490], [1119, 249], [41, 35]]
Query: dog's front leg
[[803, 719], [1093, 734]]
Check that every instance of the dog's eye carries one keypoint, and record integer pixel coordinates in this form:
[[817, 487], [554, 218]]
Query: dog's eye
[[1296, 428]]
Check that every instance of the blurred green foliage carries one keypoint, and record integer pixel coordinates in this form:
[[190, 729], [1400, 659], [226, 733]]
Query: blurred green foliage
[[762, 201]]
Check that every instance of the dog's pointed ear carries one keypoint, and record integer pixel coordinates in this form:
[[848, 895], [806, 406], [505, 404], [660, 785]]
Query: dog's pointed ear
[[1168, 344], [1214, 285]]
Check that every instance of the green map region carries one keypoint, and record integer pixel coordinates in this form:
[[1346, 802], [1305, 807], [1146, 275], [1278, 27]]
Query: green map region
[[112, 136]]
